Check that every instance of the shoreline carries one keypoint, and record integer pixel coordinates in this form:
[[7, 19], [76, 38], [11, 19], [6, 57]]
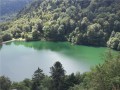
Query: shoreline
[[20, 39]]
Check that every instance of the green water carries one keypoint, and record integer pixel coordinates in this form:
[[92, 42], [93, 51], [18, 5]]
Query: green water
[[19, 60]]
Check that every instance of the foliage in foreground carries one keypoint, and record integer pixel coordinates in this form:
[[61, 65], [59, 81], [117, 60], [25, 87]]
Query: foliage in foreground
[[105, 76]]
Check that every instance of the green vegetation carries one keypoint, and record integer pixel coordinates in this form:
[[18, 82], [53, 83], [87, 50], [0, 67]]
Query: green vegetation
[[37, 80], [57, 75], [114, 41], [6, 37], [0, 39], [102, 77], [107, 75], [5, 83], [87, 22]]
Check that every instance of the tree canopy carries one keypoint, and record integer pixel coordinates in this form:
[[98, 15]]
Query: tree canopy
[[87, 22]]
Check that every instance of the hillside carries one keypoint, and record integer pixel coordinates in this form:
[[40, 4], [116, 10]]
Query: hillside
[[86, 22], [9, 8]]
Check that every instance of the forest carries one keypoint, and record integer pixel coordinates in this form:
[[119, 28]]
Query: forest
[[104, 76], [82, 22]]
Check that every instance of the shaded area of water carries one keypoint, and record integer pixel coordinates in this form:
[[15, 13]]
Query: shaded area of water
[[19, 60]]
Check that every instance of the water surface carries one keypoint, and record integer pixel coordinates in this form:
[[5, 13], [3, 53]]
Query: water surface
[[19, 60]]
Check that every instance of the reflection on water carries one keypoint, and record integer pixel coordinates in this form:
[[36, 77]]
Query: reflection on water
[[19, 60]]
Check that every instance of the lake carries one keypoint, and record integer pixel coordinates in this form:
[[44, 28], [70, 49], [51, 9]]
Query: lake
[[19, 60]]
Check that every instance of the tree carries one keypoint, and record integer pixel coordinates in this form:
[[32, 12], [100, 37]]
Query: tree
[[5, 83], [1, 39], [114, 41], [49, 32], [6, 37], [76, 87], [106, 76], [95, 35], [47, 83], [35, 35], [19, 86], [57, 74], [28, 37], [76, 37], [54, 32], [84, 24], [117, 26], [27, 83], [37, 78], [1, 36], [16, 33], [71, 81]]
